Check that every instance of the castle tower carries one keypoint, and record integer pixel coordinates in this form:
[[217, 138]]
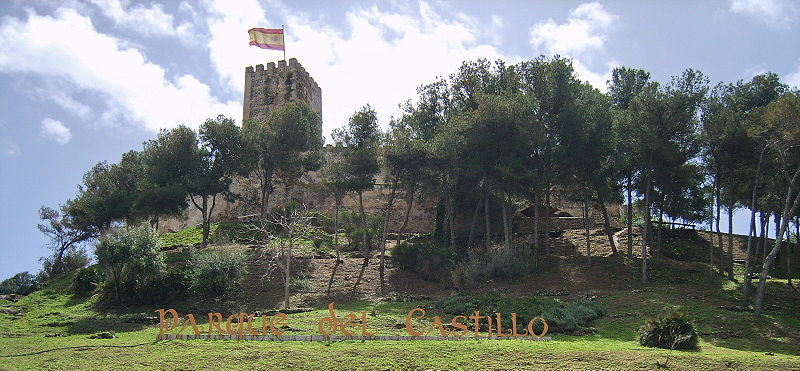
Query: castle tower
[[268, 88]]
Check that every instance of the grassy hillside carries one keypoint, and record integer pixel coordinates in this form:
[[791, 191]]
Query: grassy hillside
[[730, 337]]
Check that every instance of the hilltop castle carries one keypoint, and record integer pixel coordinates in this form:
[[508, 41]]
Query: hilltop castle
[[267, 88]]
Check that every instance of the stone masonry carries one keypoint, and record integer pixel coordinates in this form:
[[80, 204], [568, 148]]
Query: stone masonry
[[268, 88]]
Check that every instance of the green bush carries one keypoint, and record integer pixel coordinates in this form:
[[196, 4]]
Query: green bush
[[22, 283], [131, 258], [216, 272], [172, 286], [86, 281], [671, 331], [564, 318], [300, 285], [490, 264], [428, 258], [350, 222]]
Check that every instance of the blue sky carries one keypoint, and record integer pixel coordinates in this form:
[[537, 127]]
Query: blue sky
[[85, 81]]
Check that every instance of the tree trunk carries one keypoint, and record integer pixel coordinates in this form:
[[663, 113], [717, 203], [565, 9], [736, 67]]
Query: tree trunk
[[471, 238], [762, 241], [629, 214], [288, 271], [389, 204], [547, 220], [451, 218], [409, 201], [711, 245], [789, 209], [336, 222], [333, 273], [586, 227], [730, 235], [116, 285], [719, 232], [751, 235], [647, 225], [266, 191], [659, 233], [536, 221], [607, 225], [335, 242], [506, 239], [789, 255], [205, 222], [488, 238], [365, 249]]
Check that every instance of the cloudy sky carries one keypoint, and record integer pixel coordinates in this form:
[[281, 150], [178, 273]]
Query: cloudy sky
[[84, 81]]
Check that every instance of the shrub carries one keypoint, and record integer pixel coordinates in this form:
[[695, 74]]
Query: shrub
[[216, 272], [131, 258], [73, 259], [671, 331], [564, 318], [172, 286], [301, 285], [488, 264], [428, 258], [86, 281], [350, 222], [22, 283]]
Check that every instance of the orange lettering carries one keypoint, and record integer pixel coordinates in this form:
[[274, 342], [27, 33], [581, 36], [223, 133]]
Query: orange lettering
[[364, 325], [544, 329], [272, 328], [437, 323], [173, 322], [214, 319], [461, 326], [500, 326], [191, 321], [409, 316]]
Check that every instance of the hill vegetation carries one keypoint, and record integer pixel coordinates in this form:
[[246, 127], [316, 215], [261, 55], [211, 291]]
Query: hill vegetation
[[482, 143]]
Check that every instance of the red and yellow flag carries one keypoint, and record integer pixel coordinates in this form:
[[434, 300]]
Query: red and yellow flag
[[267, 38]]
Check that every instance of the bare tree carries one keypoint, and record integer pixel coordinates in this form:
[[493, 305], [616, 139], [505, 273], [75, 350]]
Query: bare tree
[[292, 223]]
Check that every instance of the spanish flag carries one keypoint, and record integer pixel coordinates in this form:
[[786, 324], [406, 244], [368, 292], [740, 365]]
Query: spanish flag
[[267, 38]]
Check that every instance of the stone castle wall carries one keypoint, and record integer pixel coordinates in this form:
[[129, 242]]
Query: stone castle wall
[[268, 88]]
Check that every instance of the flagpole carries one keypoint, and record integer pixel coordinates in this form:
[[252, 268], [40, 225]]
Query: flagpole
[[284, 43]]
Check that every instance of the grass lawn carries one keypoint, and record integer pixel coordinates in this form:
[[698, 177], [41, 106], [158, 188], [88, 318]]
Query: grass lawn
[[731, 338], [613, 347]]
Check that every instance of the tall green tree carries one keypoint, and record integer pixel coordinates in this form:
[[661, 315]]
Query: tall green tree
[[626, 83], [361, 140], [220, 153], [283, 147], [552, 85], [667, 124], [782, 119]]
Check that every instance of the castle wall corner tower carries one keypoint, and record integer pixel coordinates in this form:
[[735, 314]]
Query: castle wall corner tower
[[268, 88]]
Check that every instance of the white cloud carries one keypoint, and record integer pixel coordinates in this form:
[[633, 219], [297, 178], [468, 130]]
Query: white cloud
[[380, 60], [774, 12], [131, 85], [583, 34], [149, 21], [793, 78], [585, 30], [55, 131], [9, 148]]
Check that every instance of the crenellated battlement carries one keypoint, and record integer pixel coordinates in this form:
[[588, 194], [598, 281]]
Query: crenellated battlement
[[267, 88]]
